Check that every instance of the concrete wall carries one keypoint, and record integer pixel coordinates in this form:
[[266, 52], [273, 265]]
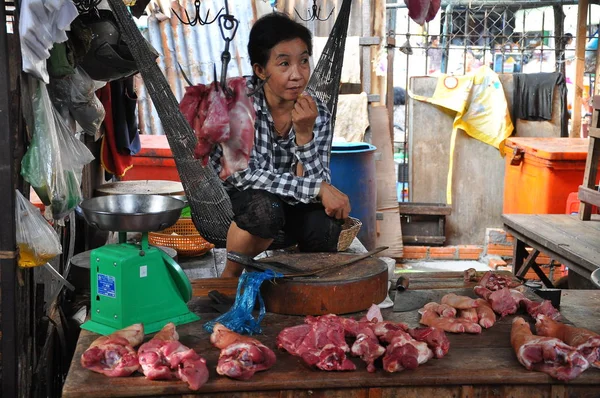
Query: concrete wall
[[478, 180]]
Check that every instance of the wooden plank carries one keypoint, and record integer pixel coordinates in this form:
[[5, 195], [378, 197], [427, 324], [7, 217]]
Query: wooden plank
[[589, 179], [590, 197], [424, 208], [227, 286], [560, 234], [582, 12], [484, 361]]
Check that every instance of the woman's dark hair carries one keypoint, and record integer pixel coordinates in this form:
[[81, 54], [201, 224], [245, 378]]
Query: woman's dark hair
[[270, 30]]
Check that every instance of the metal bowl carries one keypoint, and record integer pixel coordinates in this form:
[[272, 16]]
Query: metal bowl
[[132, 213], [596, 277]]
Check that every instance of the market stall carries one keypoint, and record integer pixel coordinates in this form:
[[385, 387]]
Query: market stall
[[476, 364]]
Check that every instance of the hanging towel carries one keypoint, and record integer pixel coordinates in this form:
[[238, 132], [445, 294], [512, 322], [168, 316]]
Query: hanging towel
[[533, 97], [113, 161]]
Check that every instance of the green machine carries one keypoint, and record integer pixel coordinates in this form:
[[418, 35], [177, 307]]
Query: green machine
[[135, 282]]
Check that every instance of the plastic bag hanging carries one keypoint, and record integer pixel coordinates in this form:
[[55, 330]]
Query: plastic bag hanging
[[239, 318], [37, 241], [55, 158]]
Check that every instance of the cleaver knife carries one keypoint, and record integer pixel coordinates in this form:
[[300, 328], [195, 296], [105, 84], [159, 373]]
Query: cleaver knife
[[410, 300]]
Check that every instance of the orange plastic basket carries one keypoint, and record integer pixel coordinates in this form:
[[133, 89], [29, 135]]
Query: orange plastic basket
[[183, 237]]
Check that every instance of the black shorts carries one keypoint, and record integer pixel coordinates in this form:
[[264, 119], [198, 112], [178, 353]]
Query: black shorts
[[266, 215]]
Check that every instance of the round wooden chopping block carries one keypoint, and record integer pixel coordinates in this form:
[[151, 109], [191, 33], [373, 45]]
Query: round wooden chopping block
[[354, 288], [145, 187]]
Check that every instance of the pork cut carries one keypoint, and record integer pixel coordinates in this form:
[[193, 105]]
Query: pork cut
[[459, 302], [114, 355], [452, 325], [485, 314], [546, 308], [221, 120], [586, 341], [422, 11], [435, 338], [366, 346], [545, 354], [165, 358], [493, 281], [441, 309], [404, 352], [503, 302], [323, 343], [240, 356]]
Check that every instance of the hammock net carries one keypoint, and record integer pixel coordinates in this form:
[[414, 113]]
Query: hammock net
[[209, 203]]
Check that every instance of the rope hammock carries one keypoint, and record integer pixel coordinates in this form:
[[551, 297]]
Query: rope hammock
[[209, 203]]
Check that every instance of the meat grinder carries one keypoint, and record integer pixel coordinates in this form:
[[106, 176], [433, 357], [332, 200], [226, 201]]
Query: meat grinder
[[135, 282]]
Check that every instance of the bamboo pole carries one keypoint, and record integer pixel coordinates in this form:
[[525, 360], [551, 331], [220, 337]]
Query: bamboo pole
[[582, 11]]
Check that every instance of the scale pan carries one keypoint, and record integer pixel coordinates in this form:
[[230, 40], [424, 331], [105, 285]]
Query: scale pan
[[132, 213]]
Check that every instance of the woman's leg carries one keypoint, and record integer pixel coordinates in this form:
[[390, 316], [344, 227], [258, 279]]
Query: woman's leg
[[242, 242], [258, 218]]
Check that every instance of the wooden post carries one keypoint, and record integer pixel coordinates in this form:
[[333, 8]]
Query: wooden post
[[391, 47], [582, 13]]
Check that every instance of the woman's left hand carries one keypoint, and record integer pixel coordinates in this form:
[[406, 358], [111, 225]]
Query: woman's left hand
[[304, 115]]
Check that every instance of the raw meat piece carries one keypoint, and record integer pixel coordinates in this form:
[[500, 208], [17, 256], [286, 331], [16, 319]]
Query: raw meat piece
[[217, 119], [435, 338], [493, 281], [238, 147], [349, 325], [323, 346], [291, 338], [482, 292], [545, 354], [404, 352], [534, 309], [586, 341], [459, 302], [366, 346], [518, 296], [113, 355], [441, 309], [386, 330], [241, 356], [470, 314], [470, 275], [452, 325], [165, 358], [503, 302], [485, 314], [422, 11]]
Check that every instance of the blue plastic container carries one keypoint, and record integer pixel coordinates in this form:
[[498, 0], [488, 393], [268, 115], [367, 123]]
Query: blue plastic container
[[353, 172]]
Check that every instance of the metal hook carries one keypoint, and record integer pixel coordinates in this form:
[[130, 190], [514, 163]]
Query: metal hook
[[316, 11], [197, 19], [227, 22]]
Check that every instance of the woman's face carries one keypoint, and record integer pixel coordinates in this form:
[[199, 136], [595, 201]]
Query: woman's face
[[289, 69]]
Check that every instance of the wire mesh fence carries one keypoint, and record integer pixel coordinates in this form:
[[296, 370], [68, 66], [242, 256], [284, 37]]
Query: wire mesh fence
[[507, 36]]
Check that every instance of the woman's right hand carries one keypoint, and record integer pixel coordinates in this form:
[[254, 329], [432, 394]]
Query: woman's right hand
[[336, 203]]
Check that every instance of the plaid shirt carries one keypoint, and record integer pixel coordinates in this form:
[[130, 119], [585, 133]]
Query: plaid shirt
[[272, 164]]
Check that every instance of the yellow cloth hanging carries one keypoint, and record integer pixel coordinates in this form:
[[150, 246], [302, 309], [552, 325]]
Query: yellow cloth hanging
[[481, 110]]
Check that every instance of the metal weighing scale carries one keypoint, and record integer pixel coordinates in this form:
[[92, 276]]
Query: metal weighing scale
[[130, 282]]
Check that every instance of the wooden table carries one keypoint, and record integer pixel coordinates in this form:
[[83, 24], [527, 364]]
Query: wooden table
[[562, 237], [477, 365]]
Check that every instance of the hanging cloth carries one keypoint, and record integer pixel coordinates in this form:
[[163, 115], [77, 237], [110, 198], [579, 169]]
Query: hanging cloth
[[481, 110], [533, 98]]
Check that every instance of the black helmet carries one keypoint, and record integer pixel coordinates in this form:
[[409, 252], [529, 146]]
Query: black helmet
[[109, 57]]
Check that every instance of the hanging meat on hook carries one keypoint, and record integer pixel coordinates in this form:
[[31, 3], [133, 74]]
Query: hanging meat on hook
[[220, 119], [422, 11]]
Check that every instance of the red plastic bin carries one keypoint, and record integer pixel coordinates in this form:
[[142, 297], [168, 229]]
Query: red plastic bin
[[154, 161], [540, 173]]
